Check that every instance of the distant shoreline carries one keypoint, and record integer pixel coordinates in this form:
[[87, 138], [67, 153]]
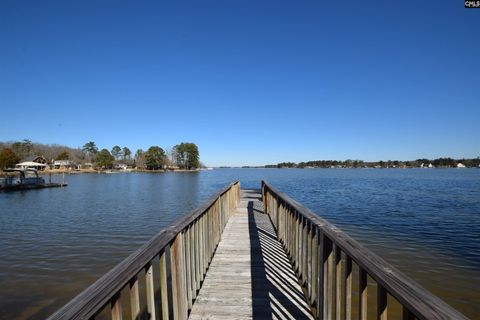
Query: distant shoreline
[[108, 171]]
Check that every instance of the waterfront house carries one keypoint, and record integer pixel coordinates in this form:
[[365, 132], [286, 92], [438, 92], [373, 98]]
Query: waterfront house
[[30, 165], [65, 164], [37, 159], [33, 162], [120, 166], [87, 165]]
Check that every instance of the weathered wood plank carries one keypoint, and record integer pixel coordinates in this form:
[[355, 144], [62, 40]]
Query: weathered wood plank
[[381, 303], [250, 275], [363, 294], [116, 308], [338, 288], [348, 289], [134, 298], [178, 279], [164, 286], [150, 291], [188, 278]]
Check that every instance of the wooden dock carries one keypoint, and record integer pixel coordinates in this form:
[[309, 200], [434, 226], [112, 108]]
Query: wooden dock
[[32, 186], [250, 275], [250, 254]]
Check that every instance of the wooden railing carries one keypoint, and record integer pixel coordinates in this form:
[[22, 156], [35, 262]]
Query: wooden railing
[[183, 252], [315, 249]]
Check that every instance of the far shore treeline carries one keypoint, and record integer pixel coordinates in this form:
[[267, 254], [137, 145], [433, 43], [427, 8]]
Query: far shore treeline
[[419, 163], [183, 156]]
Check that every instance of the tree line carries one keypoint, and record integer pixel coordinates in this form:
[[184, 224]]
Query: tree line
[[182, 156], [438, 163]]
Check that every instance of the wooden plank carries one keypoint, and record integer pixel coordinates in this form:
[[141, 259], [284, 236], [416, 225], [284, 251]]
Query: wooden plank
[[330, 280], [134, 299], [178, 288], [314, 267], [321, 311], [250, 275], [381, 303], [407, 314], [188, 286], [198, 278], [309, 261], [363, 294], [193, 274], [347, 293], [150, 291], [305, 252], [164, 286], [338, 288], [116, 308], [201, 249]]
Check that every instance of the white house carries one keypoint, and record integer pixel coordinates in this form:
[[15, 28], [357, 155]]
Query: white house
[[64, 164], [30, 165], [120, 166]]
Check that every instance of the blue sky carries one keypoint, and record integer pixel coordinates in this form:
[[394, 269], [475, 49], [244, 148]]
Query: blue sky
[[250, 82]]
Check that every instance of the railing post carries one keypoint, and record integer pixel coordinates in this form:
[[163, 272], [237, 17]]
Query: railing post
[[314, 259], [178, 280], [309, 261], [347, 293], [363, 294], [407, 314], [305, 251], [164, 284], [116, 308], [329, 280], [265, 197], [187, 267], [150, 291], [321, 276], [338, 282], [381, 303], [134, 298]]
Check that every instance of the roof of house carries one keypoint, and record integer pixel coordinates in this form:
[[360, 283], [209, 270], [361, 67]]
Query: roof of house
[[32, 158], [31, 164]]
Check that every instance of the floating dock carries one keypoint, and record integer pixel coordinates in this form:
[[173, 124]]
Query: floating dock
[[32, 186], [26, 179]]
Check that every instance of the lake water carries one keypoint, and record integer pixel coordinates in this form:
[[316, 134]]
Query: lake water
[[56, 242]]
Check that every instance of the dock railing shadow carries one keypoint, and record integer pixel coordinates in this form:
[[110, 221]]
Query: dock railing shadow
[[274, 294]]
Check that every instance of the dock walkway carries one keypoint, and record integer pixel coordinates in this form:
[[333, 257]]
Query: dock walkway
[[250, 254], [250, 275]]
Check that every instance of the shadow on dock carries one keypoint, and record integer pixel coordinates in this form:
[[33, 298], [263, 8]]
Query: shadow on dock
[[275, 290]]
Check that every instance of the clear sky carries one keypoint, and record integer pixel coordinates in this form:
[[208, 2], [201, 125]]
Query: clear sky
[[250, 82]]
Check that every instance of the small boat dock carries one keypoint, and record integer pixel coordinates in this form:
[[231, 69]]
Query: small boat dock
[[25, 179]]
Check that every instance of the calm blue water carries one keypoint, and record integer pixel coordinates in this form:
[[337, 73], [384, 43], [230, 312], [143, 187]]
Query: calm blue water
[[55, 242]]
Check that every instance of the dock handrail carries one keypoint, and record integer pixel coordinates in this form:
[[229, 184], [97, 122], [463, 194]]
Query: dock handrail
[[184, 249], [315, 249]]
